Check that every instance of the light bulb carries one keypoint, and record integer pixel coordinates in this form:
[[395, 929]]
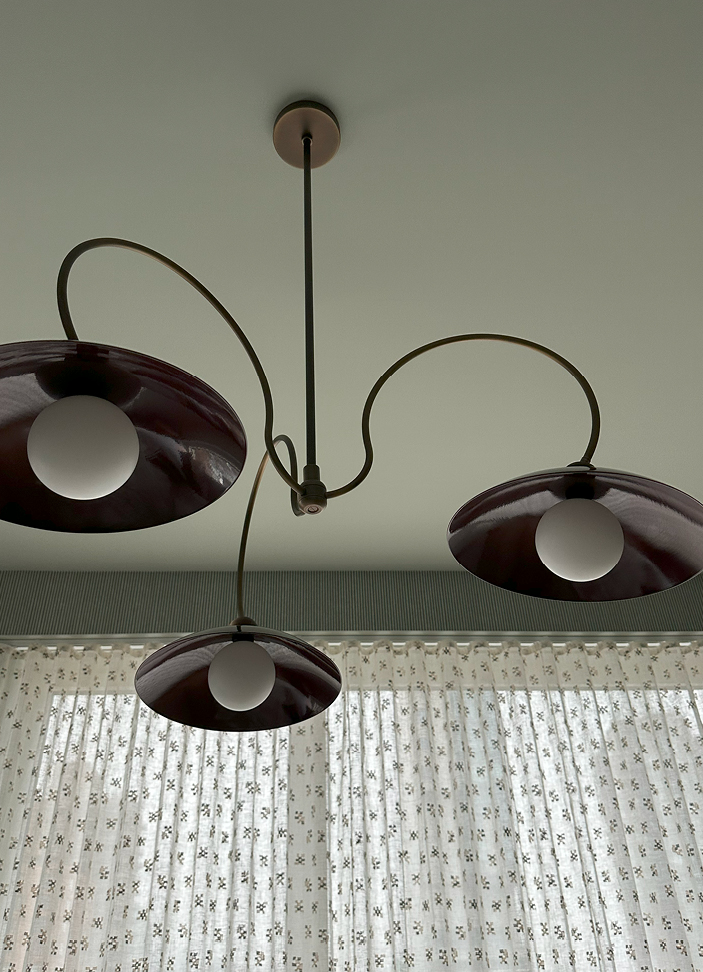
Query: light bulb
[[82, 447], [579, 539], [241, 675]]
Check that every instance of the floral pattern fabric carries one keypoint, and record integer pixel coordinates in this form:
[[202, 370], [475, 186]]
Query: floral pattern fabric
[[470, 807]]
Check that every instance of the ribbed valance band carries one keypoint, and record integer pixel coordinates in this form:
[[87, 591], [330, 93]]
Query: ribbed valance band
[[115, 602]]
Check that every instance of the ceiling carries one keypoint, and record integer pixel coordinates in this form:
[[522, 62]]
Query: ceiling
[[528, 168]]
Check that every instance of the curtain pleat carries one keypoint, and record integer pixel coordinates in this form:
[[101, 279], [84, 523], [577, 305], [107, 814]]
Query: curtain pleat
[[519, 806]]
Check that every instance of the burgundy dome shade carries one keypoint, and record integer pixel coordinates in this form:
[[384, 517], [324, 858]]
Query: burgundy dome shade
[[493, 535], [174, 681], [192, 445]]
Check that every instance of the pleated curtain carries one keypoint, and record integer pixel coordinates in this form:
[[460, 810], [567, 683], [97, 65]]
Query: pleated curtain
[[507, 805]]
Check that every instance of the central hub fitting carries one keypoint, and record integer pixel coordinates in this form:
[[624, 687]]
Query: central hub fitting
[[313, 497]]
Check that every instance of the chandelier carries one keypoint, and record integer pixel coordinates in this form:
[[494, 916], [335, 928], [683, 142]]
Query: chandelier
[[97, 439]]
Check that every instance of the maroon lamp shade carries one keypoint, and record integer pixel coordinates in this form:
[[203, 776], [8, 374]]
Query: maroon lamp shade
[[174, 681], [192, 444], [493, 535]]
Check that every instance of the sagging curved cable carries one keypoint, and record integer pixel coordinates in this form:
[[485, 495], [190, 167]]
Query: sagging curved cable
[[250, 509], [70, 331], [506, 338]]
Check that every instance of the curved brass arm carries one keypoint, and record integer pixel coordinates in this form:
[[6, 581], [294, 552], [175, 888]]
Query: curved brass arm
[[506, 338], [65, 314], [250, 509], [291, 478]]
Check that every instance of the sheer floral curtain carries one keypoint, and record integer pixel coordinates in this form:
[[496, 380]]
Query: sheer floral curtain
[[517, 806]]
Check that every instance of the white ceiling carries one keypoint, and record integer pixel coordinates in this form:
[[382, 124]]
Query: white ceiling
[[532, 168]]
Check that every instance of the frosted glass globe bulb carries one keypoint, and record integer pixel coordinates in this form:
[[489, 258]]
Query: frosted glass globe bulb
[[579, 539], [241, 676], [82, 447]]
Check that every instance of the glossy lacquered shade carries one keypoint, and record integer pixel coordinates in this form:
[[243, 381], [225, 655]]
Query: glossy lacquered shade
[[192, 445], [493, 535], [174, 681]]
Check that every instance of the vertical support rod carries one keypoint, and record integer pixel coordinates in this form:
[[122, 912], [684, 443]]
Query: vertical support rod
[[250, 511], [309, 318]]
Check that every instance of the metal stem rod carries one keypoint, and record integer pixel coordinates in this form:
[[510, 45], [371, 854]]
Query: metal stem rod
[[250, 510], [310, 431], [505, 338], [70, 331]]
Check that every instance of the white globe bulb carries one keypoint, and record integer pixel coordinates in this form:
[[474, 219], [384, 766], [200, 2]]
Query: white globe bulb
[[241, 675], [579, 539], [82, 447]]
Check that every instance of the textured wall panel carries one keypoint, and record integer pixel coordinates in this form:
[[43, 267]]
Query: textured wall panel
[[56, 603]]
